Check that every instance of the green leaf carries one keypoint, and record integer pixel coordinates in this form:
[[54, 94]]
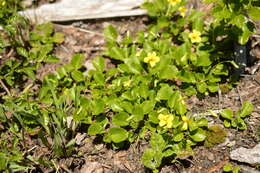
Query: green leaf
[[247, 109], [58, 37], [228, 167], [254, 13], [96, 128], [164, 93], [202, 87], [116, 53], [52, 59], [227, 113], [22, 51], [169, 72], [157, 142], [115, 105], [99, 77], [98, 106], [227, 124], [151, 158], [213, 87], [153, 117], [203, 59], [173, 99], [178, 137], [148, 106], [29, 71], [78, 76], [192, 125], [99, 63], [120, 119], [203, 122], [117, 135], [46, 28], [138, 114], [110, 33], [198, 135], [244, 37], [133, 65], [187, 76], [77, 61]]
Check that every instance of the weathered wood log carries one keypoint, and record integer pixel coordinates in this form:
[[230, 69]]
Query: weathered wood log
[[67, 10]]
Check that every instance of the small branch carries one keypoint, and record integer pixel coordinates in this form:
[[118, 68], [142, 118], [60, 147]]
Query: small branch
[[5, 88], [216, 167], [219, 99], [90, 32], [240, 97]]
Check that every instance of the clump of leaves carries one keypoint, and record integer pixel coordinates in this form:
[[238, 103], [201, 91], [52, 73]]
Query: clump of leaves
[[216, 134], [12, 158], [231, 168], [237, 18], [39, 46], [236, 120]]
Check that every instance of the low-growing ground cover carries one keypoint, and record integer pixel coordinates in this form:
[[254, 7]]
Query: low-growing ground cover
[[147, 99]]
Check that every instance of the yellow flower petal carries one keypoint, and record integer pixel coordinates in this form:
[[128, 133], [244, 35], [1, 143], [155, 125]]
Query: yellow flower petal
[[127, 83], [195, 36], [169, 124], [184, 126], [165, 120], [146, 59], [183, 11], [162, 123], [161, 117], [152, 59], [174, 2]]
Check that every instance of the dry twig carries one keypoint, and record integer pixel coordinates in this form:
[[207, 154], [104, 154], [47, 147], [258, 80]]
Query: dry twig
[[5, 88]]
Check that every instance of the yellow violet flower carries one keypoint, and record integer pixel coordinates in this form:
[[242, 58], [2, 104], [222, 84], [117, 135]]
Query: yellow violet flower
[[174, 2], [185, 123], [165, 120], [3, 3], [152, 59], [127, 83], [195, 36], [183, 11]]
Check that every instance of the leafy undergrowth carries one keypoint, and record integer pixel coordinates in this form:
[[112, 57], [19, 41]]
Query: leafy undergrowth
[[183, 53]]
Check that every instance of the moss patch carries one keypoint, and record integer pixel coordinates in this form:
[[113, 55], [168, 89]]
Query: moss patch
[[216, 134]]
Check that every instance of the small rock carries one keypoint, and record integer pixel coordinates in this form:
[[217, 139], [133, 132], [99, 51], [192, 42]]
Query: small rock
[[250, 156], [211, 156], [79, 138], [92, 167]]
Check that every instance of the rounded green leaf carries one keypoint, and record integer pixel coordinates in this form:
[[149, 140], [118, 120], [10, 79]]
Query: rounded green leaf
[[117, 135], [198, 135], [178, 137], [227, 167], [164, 93], [254, 13], [227, 123], [202, 122], [247, 108], [95, 128], [120, 119], [78, 76], [227, 113]]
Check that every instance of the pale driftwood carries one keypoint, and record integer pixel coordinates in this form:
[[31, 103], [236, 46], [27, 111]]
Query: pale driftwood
[[68, 10]]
